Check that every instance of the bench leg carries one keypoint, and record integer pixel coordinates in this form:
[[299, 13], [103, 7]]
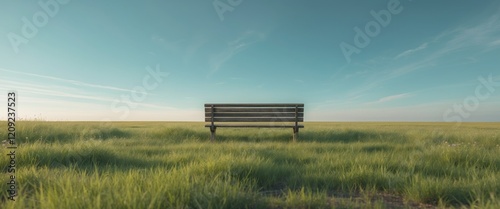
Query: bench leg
[[212, 134]]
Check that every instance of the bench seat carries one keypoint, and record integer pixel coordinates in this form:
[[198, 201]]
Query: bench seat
[[255, 126]]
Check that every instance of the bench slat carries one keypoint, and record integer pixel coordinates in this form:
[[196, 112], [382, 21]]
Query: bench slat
[[271, 110], [255, 126], [255, 105], [254, 120], [263, 114]]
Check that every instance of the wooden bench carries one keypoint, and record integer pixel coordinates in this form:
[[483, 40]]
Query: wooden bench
[[254, 116]]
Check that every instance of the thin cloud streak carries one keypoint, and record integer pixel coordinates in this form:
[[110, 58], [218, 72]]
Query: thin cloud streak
[[480, 35], [393, 97], [431, 111], [34, 89], [411, 51], [494, 43], [74, 82], [476, 35], [234, 47], [55, 109]]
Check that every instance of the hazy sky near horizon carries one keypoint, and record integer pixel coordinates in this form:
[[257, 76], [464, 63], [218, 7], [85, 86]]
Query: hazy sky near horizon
[[380, 60]]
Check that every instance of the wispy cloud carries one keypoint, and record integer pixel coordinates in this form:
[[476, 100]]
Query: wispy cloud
[[356, 74], [484, 34], [64, 110], [63, 97], [480, 35], [419, 112], [411, 51], [426, 111], [393, 97], [388, 99], [68, 81], [338, 102], [40, 90], [380, 77], [475, 35], [65, 93], [234, 47], [495, 43]]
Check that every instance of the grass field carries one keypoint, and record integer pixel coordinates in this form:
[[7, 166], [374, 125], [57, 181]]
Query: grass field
[[333, 165]]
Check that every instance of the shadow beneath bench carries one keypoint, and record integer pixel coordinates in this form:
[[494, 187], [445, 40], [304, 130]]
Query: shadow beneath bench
[[285, 135]]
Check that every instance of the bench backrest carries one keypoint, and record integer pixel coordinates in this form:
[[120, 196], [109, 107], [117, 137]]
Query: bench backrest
[[254, 113]]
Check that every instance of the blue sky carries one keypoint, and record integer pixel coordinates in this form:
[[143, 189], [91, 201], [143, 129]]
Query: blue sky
[[162, 60]]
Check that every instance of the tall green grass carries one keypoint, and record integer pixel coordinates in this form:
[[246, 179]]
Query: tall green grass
[[333, 165]]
